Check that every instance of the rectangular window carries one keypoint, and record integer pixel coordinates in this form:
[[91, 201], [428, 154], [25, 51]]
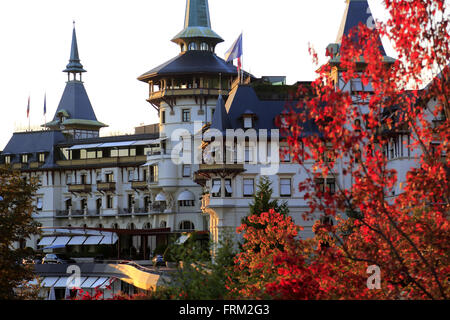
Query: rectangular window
[[39, 204], [163, 116], [24, 158], [133, 152], [216, 188], [99, 154], [249, 187], [83, 154], [68, 179], [92, 154], [130, 175], [109, 177], [228, 189], [248, 122], [109, 201], [7, 159], [186, 170], [285, 155], [285, 187], [153, 174], [331, 185], [41, 157], [186, 115], [114, 153], [83, 179], [124, 153]]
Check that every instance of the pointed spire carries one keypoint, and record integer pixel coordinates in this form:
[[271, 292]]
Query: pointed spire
[[220, 120], [197, 23], [197, 14], [74, 65]]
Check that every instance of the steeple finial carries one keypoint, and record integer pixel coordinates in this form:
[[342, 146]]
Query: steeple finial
[[197, 24], [74, 65]]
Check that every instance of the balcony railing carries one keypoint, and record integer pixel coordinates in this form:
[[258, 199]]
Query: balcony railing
[[83, 188], [106, 186], [140, 185]]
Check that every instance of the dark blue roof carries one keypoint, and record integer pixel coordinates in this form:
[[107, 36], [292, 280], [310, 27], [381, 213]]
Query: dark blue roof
[[357, 11], [220, 120], [33, 142], [244, 99], [192, 62], [75, 101], [74, 61]]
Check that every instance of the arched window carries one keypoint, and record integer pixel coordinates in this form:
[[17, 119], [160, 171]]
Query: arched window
[[193, 46], [183, 47], [100, 226], [204, 46], [131, 226], [162, 224], [186, 225], [115, 226], [147, 226]]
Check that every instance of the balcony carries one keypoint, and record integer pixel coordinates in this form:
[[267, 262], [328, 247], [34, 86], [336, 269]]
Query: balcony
[[80, 188], [181, 92], [139, 185], [106, 186]]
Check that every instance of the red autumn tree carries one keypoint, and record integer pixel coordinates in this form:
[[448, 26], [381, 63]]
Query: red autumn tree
[[394, 215]]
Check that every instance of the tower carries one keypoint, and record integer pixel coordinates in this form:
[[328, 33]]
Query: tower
[[356, 12], [184, 91], [75, 115]]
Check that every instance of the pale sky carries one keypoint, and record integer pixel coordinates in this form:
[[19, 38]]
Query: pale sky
[[120, 40]]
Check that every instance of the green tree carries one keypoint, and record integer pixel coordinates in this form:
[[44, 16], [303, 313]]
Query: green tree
[[262, 200], [16, 224], [199, 277]]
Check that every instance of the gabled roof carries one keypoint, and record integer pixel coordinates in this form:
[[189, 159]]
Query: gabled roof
[[192, 62]]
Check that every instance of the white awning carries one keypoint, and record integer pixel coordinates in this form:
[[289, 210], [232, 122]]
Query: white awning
[[61, 283], [77, 240], [89, 282], [117, 144], [215, 188], [49, 282], [150, 163], [93, 240], [186, 196], [182, 239], [146, 142], [85, 146], [109, 239], [46, 241], [61, 241], [101, 281], [160, 197]]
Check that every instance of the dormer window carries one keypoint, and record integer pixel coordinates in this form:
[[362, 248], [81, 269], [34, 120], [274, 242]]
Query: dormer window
[[248, 122], [193, 46]]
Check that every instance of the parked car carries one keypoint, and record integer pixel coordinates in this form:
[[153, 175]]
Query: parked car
[[57, 258], [158, 260]]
